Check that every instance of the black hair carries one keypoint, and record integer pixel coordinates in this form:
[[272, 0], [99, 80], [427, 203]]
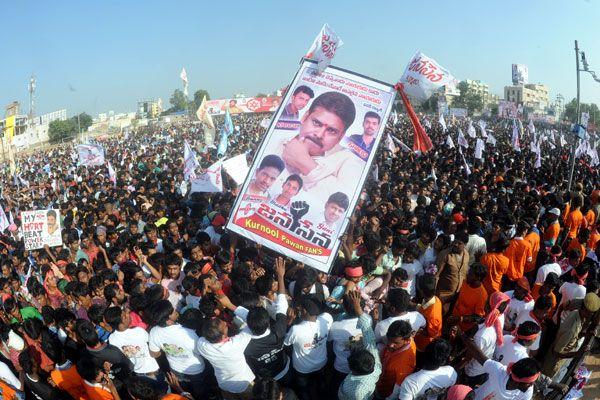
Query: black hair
[[340, 199], [372, 114], [528, 328], [296, 178], [96, 313], [263, 284], [552, 279], [211, 330], [479, 270], [258, 320], [543, 303], [113, 317], [160, 311], [399, 299], [436, 354], [426, 284], [142, 389], [304, 89], [87, 332], [361, 362], [338, 104], [26, 361], [399, 328], [87, 369], [525, 368], [273, 161], [266, 389]]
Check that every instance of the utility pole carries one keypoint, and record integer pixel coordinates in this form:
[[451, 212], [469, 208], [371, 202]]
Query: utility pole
[[573, 145]]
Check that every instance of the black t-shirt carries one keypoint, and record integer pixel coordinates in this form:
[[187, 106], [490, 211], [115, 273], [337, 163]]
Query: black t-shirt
[[266, 356], [121, 365], [41, 390]]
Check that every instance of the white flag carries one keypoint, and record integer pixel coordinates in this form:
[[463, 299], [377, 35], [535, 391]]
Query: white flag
[[479, 147], [462, 140], [324, 47], [471, 130], [190, 162], [595, 160], [585, 118], [90, 155], [184, 78], [210, 181], [423, 76], [515, 137], [562, 141], [467, 168], [207, 122], [491, 140], [427, 123], [449, 142], [395, 116], [402, 145], [4, 223], [390, 144], [482, 124], [266, 121], [538, 160], [237, 168], [112, 175], [442, 122], [531, 127]]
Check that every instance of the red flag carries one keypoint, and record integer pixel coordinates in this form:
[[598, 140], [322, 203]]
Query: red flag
[[421, 142]]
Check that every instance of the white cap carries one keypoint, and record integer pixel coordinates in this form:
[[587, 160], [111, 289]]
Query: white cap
[[555, 211]]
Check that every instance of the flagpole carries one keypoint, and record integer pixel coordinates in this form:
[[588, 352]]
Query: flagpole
[[573, 146]]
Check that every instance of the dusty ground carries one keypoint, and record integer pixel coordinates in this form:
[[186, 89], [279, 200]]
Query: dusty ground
[[592, 390]]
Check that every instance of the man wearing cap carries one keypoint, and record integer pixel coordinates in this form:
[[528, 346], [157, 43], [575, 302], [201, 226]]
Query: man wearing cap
[[553, 229], [566, 344], [216, 229]]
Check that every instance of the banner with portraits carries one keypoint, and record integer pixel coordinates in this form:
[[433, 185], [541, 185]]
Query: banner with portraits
[[40, 228], [507, 109], [243, 105], [308, 173]]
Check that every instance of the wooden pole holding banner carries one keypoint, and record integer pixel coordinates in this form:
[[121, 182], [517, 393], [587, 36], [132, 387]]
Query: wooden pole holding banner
[[573, 146]]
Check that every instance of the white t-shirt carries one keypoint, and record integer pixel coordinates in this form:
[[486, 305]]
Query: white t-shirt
[[227, 358], [485, 339], [426, 384], [495, 387], [413, 269], [475, 245], [414, 318], [570, 291], [215, 237], [179, 345], [514, 308], [526, 316], [133, 342], [340, 334], [510, 352], [545, 270], [7, 376], [309, 343]]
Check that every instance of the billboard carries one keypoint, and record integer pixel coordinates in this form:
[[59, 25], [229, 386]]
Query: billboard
[[507, 109], [243, 105], [40, 228], [520, 74], [308, 173]]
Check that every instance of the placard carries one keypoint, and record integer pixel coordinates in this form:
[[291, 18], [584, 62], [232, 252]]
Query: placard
[[40, 228]]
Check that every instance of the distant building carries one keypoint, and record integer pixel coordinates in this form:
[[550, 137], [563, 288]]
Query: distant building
[[532, 96], [149, 108], [482, 89]]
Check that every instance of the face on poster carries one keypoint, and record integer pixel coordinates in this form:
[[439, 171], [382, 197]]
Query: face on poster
[[40, 228], [308, 173]]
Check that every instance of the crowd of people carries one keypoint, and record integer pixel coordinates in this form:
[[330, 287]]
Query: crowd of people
[[458, 277]]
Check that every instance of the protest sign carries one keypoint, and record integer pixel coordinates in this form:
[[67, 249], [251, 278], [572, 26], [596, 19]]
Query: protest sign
[[308, 173], [520, 75], [237, 168], [324, 47], [507, 109], [210, 180], [458, 112], [423, 76], [242, 105], [90, 155], [40, 228]]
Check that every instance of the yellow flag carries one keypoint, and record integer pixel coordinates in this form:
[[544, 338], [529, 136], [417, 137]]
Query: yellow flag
[[9, 128]]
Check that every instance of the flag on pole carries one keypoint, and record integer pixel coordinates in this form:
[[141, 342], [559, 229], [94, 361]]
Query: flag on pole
[[423, 76], [402, 145], [442, 122], [462, 140], [467, 168], [190, 162], [324, 47], [112, 175], [562, 141], [471, 130], [482, 124], [531, 127], [184, 78], [479, 147], [210, 181], [515, 137], [421, 142], [226, 130], [491, 140], [207, 122], [395, 116], [389, 143], [585, 118], [449, 142]]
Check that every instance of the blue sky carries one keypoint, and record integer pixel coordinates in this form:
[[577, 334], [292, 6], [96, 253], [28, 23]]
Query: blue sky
[[113, 53]]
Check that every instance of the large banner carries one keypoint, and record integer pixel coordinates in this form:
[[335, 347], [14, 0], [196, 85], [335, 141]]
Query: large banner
[[423, 76], [507, 109], [90, 155], [243, 105], [458, 112], [308, 173], [520, 74], [40, 228]]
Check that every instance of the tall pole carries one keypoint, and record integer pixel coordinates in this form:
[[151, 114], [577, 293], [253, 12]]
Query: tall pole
[[578, 118]]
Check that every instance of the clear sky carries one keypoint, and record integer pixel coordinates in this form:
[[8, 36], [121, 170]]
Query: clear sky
[[105, 55]]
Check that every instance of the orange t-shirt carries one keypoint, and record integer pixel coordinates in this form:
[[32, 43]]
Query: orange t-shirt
[[535, 293], [573, 223], [470, 301], [69, 381], [575, 245], [594, 237], [173, 396], [7, 392], [518, 253], [96, 391], [590, 218], [395, 367], [534, 239], [433, 328], [497, 265], [551, 233]]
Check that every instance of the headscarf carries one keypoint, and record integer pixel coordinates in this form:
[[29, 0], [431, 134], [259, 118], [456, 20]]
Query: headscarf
[[528, 379], [493, 317]]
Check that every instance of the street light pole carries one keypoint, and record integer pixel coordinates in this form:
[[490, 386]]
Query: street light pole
[[573, 147]]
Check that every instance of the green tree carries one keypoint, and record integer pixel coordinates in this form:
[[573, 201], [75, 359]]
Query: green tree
[[62, 130], [85, 121], [571, 111], [198, 96], [178, 101], [261, 95], [430, 105], [468, 98]]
